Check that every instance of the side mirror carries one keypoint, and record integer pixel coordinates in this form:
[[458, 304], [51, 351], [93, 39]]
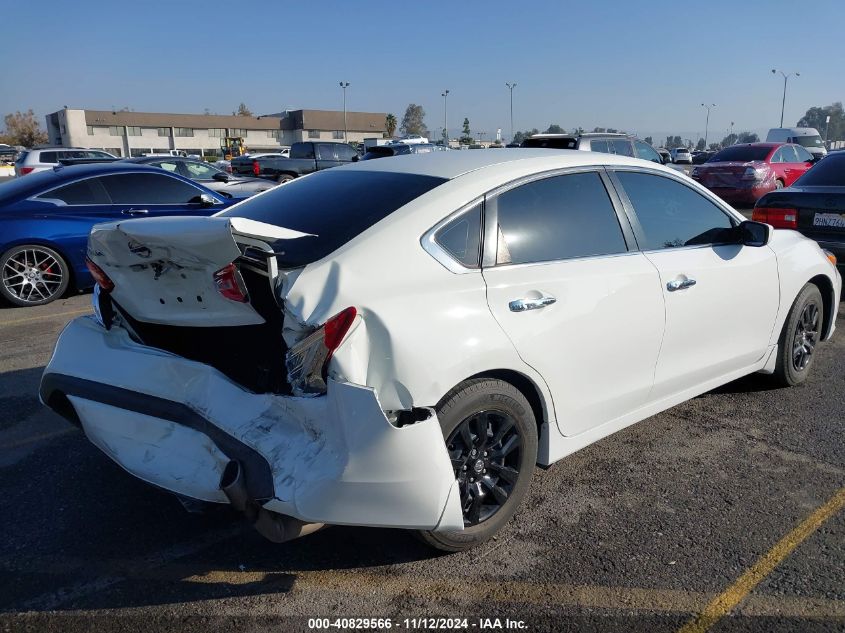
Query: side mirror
[[754, 233], [221, 176], [207, 201], [356, 158], [814, 158]]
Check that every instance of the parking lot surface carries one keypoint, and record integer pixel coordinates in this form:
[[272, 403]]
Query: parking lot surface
[[728, 504]]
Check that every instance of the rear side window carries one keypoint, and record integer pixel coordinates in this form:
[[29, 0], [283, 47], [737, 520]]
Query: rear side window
[[333, 205], [672, 214], [622, 147], [149, 189], [302, 150], [88, 191], [49, 157], [599, 146], [829, 172], [461, 238], [327, 151], [557, 218]]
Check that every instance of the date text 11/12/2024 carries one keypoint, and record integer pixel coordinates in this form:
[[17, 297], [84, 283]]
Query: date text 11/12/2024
[[385, 624]]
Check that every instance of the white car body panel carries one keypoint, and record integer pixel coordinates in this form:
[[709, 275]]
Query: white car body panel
[[420, 330]]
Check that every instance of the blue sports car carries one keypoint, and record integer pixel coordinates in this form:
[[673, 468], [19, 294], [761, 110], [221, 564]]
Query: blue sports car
[[45, 219]]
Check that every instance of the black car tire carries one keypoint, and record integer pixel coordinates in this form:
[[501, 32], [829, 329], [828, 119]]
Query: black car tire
[[503, 402], [52, 269], [284, 178], [799, 340]]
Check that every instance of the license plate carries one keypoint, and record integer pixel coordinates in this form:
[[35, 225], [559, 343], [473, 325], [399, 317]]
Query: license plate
[[834, 220]]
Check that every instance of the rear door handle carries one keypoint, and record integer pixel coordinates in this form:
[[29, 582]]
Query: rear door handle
[[522, 305], [135, 211], [679, 283]]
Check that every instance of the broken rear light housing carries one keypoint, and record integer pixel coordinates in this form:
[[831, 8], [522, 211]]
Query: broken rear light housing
[[99, 275], [307, 362], [230, 284]]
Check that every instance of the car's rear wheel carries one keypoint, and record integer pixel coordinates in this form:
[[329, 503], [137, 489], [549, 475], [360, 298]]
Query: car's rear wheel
[[284, 178], [491, 437], [778, 184], [799, 338], [32, 275]]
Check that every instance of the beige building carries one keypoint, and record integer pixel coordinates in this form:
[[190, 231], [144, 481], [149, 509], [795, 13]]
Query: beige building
[[136, 133]]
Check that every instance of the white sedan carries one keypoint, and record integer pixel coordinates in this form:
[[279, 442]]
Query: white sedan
[[398, 343]]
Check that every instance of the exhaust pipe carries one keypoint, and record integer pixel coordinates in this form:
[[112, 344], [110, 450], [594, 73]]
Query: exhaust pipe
[[271, 525]]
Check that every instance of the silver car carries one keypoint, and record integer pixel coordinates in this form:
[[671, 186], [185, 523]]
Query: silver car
[[681, 155], [209, 176], [41, 158]]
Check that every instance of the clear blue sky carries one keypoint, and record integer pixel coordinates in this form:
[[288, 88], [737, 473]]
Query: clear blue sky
[[640, 65]]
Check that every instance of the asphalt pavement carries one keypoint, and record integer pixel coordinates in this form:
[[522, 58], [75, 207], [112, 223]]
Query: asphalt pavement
[[727, 504]]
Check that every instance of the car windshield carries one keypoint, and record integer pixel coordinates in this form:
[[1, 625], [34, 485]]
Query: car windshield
[[810, 141], [741, 154], [333, 206], [830, 172]]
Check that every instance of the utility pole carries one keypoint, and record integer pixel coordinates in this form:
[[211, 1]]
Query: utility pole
[[511, 87], [445, 94], [826, 127], [783, 102], [344, 85], [707, 122]]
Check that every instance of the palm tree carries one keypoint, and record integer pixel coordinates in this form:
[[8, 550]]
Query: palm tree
[[390, 124]]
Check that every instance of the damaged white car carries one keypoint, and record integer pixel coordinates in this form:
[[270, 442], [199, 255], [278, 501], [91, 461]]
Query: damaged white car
[[397, 343]]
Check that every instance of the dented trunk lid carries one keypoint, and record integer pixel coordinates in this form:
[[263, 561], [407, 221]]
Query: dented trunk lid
[[163, 268]]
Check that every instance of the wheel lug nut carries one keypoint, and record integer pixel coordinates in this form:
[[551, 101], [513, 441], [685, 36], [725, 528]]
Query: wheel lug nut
[[463, 467]]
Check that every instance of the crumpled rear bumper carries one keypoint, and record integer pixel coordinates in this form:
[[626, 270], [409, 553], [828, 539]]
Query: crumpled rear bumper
[[176, 424]]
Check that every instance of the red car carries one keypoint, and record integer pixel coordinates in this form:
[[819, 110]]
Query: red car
[[741, 174]]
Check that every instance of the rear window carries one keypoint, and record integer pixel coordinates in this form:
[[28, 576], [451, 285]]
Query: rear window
[[829, 172], [740, 154], [302, 150], [333, 205]]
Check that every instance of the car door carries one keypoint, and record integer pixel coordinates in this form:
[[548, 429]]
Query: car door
[[778, 163], [327, 155], [721, 297], [803, 162], [148, 194], [580, 307]]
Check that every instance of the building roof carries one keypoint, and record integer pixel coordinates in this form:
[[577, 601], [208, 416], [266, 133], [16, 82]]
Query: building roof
[[161, 119], [332, 120]]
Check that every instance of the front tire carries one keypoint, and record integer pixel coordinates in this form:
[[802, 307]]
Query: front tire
[[491, 436], [799, 338], [32, 275]]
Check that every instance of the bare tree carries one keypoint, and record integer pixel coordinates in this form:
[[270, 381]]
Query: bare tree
[[22, 129]]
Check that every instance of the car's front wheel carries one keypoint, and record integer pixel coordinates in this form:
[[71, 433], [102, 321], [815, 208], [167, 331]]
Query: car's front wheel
[[32, 275], [799, 338], [491, 438]]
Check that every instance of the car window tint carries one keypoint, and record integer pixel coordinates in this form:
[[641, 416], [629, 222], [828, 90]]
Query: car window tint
[[646, 152], [149, 189], [88, 191], [672, 214], [622, 147], [167, 165], [803, 155], [557, 218], [49, 157], [327, 151], [345, 152], [199, 171], [461, 237], [599, 146], [829, 172]]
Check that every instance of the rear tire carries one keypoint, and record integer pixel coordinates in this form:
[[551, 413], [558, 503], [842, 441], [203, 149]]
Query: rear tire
[[778, 184], [491, 435], [32, 275], [284, 178], [799, 338]]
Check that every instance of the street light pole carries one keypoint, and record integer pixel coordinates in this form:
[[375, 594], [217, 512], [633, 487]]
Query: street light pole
[[445, 94], [783, 102], [511, 87], [344, 85], [707, 122]]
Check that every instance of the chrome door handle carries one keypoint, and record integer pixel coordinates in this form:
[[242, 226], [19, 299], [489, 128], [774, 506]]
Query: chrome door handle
[[134, 211], [522, 305], [680, 284]]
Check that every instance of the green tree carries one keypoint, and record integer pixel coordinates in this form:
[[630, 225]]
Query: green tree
[[649, 140], [390, 125], [673, 141], [715, 147], [729, 140], [22, 128], [700, 145], [816, 117], [554, 128], [466, 137], [243, 110], [747, 137], [518, 137], [414, 120]]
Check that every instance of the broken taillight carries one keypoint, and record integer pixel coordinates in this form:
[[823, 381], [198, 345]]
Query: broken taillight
[[230, 284], [102, 279], [307, 362]]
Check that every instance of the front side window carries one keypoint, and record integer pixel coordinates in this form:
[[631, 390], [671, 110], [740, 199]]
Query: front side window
[[646, 152], [803, 155], [599, 146], [149, 189], [88, 191], [327, 151], [561, 217], [461, 237], [199, 171], [672, 214]]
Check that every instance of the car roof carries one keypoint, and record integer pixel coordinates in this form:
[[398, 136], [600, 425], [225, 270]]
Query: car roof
[[452, 164]]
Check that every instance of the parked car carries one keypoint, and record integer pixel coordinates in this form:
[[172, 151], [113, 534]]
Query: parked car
[[397, 149], [681, 155], [7, 153], [807, 137], [699, 158], [411, 139], [45, 220], [305, 158], [605, 143], [665, 155], [740, 174], [42, 158], [814, 205], [347, 349], [207, 175]]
